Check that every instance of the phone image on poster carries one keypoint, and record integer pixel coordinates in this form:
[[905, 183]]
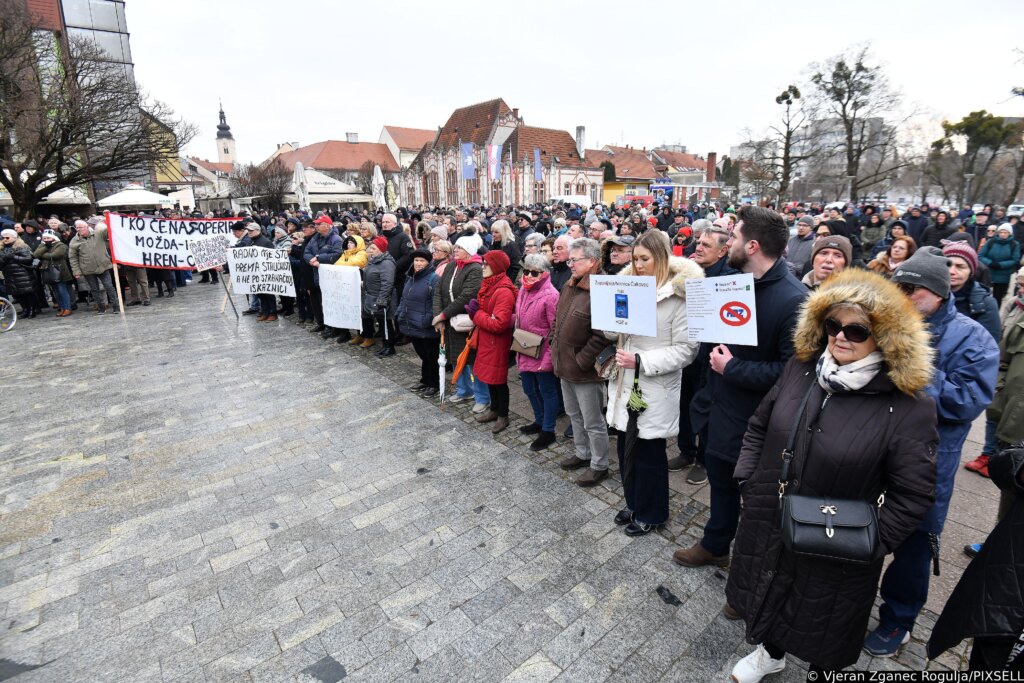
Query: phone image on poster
[[621, 306]]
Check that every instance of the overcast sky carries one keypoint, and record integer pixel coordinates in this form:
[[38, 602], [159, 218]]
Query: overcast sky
[[637, 73]]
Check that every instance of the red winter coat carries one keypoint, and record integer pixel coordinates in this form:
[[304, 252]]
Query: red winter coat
[[497, 300]]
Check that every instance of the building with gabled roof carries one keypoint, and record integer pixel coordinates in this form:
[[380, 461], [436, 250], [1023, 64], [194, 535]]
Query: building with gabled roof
[[436, 175], [405, 143]]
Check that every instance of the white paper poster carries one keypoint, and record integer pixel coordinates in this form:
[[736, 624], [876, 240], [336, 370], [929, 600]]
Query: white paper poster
[[342, 297], [258, 270], [721, 310], [209, 252], [624, 304]]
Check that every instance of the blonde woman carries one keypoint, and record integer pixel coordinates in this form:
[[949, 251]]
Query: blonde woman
[[659, 360], [503, 239]]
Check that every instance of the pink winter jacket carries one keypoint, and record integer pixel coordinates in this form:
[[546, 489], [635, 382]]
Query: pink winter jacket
[[535, 312]]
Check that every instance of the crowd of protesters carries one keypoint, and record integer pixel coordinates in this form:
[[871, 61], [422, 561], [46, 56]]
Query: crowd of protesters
[[912, 325]]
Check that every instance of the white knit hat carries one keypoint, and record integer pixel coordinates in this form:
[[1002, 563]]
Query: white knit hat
[[471, 243]]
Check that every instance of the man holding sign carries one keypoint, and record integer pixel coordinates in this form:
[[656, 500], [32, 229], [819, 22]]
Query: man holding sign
[[740, 376], [268, 302]]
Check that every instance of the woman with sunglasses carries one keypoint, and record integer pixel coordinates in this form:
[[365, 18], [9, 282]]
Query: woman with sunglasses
[[862, 360], [535, 312]]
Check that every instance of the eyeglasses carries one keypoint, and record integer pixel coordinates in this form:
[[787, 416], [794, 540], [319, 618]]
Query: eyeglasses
[[532, 273], [854, 332], [907, 288], [574, 261]]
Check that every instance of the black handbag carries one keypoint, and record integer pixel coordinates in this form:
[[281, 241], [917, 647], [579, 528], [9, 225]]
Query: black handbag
[[825, 528], [50, 274]]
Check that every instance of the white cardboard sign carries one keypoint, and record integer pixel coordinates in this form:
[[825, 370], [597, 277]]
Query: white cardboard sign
[[258, 270], [721, 310], [341, 287], [209, 252], [624, 304], [151, 242]]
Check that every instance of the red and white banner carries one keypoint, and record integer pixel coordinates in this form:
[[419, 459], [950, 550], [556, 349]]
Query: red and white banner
[[152, 242]]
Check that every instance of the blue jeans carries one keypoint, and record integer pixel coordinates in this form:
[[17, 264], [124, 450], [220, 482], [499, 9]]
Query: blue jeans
[[991, 446], [468, 384], [63, 296], [725, 506], [905, 583], [542, 390]]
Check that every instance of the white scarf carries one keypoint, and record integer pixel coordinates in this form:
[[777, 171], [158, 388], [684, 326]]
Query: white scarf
[[853, 376]]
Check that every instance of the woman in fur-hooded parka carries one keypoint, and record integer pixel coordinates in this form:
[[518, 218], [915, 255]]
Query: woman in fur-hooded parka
[[851, 444]]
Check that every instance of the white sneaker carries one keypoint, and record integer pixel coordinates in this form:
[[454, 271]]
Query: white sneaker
[[455, 398], [480, 407], [756, 666]]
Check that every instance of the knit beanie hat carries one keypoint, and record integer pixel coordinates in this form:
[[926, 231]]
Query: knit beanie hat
[[964, 251], [497, 260], [927, 268], [50, 234], [381, 243], [440, 231], [833, 242], [471, 243]]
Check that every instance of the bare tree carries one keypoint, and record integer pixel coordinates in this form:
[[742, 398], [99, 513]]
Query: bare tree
[[787, 145], [861, 104], [267, 183], [69, 116], [364, 178]]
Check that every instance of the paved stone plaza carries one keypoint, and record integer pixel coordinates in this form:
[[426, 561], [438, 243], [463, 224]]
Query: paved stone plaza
[[190, 498]]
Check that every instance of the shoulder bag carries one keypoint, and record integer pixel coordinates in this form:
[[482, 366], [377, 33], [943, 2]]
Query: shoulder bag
[[826, 528], [526, 343]]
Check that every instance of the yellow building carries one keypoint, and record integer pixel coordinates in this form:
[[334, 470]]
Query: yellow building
[[634, 173]]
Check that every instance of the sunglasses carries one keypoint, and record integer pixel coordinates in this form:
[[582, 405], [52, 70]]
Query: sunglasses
[[532, 273], [854, 332], [907, 288]]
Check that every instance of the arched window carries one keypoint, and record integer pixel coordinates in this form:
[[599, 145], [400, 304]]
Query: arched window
[[451, 186], [431, 190], [473, 191]]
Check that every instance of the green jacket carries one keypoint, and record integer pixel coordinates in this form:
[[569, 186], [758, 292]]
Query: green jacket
[[56, 255], [89, 256], [1007, 408]]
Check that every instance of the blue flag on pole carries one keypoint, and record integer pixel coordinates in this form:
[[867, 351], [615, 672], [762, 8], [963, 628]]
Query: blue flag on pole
[[538, 172], [468, 161]]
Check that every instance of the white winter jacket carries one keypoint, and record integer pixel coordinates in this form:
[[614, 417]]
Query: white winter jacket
[[662, 359]]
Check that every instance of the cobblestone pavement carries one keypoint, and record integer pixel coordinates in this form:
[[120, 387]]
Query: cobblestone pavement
[[187, 498]]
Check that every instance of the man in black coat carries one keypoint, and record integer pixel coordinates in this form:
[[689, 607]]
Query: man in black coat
[[740, 376], [400, 247]]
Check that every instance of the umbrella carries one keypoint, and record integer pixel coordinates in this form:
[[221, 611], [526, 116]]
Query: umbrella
[[635, 406], [301, 187], [386, 324], [378, 188], [460, 363], [442, 361]]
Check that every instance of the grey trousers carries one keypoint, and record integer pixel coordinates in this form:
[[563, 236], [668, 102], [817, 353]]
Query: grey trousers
[[590, 431], [138, 283], [106, 295]]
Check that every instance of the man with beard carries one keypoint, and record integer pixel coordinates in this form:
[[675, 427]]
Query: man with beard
[[740, 376]]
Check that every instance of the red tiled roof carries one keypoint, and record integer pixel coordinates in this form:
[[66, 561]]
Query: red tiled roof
[[472, 124], [682, 160], [212, 166], [410, 138], [336, 155], [629, 163], [551, 143]]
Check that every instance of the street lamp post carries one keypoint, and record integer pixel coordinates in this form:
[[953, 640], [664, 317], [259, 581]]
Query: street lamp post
[[967, 192]]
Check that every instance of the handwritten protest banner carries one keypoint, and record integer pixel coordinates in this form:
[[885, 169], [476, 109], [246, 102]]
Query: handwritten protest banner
[[721, 310], [342, 299], [258, 270], [209, 252], [148, 242]]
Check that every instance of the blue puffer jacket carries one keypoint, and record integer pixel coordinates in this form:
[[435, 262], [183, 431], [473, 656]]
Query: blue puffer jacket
[[1002, 256], [325, 249], [416, 309], [966, 364]]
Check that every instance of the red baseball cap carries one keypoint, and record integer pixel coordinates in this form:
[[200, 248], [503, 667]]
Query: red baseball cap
[[324, 219]]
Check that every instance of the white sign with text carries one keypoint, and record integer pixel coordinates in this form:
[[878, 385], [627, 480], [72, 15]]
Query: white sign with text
[[624, 304], [258, 270], [342, 297], [721, 310]]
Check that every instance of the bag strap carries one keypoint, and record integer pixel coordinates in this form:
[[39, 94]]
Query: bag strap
[[787, 452]]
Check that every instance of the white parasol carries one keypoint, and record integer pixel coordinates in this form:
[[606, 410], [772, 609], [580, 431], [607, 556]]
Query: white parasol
[[301, 187], [378, 188]]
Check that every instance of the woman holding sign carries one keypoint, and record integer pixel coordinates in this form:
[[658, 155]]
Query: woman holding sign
[[657, 363]]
